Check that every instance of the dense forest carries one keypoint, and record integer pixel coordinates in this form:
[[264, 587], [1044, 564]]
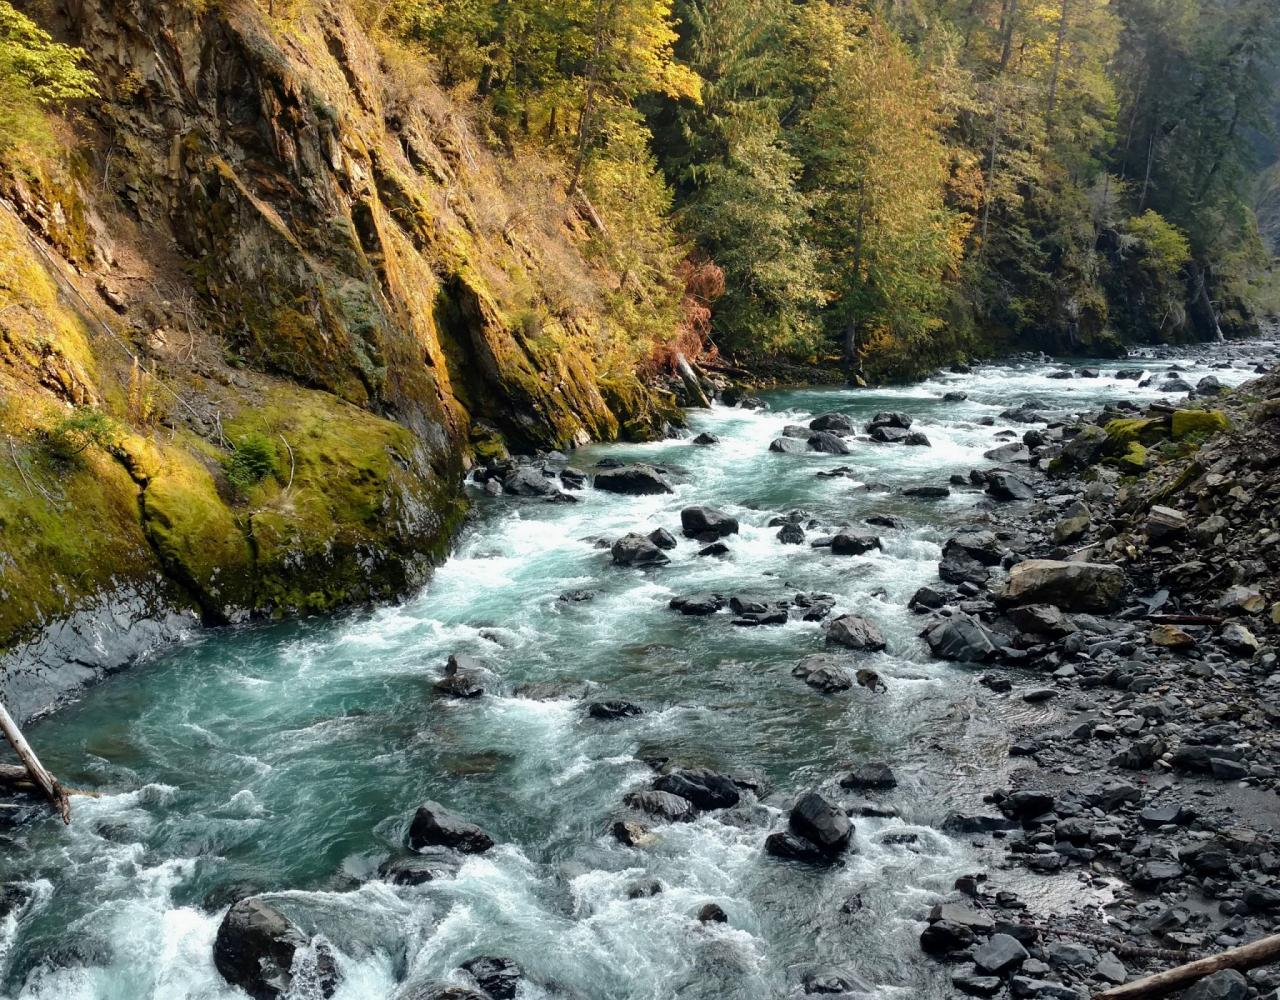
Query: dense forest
[[901, 180], [898, 182]]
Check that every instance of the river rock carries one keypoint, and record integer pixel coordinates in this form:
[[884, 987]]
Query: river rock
[[435, 826], [1005, 486], [1225, 985], [927, 492], [636, 550], [662, 538], [789, 446], [664, 805], [874, 776], [1041, 619], [890, 418], [706, 438], [784, 844], [255, 947], [848, 544], [430, 865], [890, 435], [613, 710], [465, 677], [1164, 523], [828, 443], [698, 604], [1071, 586], [498, 977], [838, 422], [821, 823], [960, 637], [823, 673], [705, 788], [1000, 954], [528, 481], [440, 991], [634, 480], [855, 632], [706, 524], [791, 534]]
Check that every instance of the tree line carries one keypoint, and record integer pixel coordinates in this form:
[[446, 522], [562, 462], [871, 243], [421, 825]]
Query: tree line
[[900, 181]]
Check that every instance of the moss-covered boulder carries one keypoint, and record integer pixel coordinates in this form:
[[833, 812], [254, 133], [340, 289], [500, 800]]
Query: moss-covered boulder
[[1188, 422], [1124, 431]]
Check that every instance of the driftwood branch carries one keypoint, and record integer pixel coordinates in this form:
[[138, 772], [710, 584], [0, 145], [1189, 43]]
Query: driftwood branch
[[40, 777], [1186, 619], [1247, 956]]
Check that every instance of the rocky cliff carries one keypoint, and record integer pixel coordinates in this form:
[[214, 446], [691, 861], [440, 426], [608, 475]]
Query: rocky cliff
[[257, 316]]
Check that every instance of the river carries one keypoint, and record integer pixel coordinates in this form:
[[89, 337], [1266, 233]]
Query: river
[[289, 757]]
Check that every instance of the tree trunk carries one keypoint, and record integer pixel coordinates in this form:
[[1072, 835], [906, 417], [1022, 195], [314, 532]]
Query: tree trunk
[[41, 778], [991, 178], [588, 101], [691, 383], [1057, 66], [1006, 51]]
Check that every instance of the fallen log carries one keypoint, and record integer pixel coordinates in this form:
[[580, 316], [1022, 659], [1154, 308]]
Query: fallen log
[[1172, 619], [40, 777], [1247, 956], [698, 396]]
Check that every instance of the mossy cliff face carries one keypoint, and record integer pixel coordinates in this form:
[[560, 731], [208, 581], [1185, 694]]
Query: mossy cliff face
[[270, 235]]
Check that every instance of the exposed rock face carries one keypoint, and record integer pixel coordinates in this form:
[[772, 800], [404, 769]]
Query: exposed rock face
[[318, 224]]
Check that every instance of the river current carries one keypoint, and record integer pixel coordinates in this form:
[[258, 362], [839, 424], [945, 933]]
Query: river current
[[289, 757]]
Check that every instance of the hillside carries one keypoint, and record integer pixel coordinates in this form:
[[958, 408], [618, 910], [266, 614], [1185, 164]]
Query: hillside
[[261, 306]]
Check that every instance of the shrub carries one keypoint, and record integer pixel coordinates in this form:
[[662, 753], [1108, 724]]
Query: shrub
[[252, 461], [83, 428]]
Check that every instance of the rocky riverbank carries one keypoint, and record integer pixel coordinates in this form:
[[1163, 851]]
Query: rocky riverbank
[[1135, 589]]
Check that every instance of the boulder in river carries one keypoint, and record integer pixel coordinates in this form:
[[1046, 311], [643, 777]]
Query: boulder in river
[[636, 550], [849, 544], [706, 524], [887, 434], [873, 776], [434, 826], [255, 949], [528, 481], [823, 673], [855, 632], [698, 604], [498, 977], [614, 710], [664, 805], [890, 418], [828, 443], [789, 446], [635, 480], [465, 677], [838, 422], [705, 788], [1071, 586], [706, 438], [821, 823]]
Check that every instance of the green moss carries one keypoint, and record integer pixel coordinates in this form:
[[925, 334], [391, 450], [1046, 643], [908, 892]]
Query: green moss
[[348, 517], [65, 535], [1126, 430], [1187, 422], [1135, 458], [196, 536]]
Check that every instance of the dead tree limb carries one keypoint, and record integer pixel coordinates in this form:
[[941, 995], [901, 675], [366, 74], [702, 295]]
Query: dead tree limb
[[40, 777], [1247, 956]]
